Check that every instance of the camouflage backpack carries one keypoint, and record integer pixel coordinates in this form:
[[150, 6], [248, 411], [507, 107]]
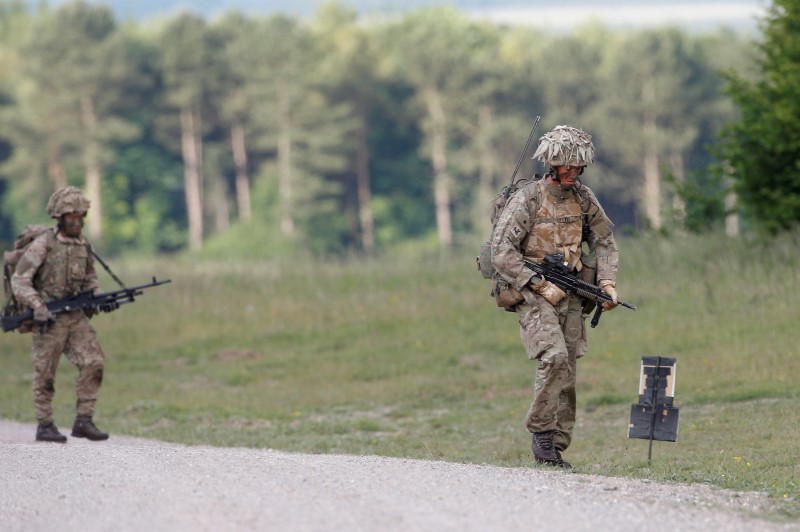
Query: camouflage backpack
[[11, 307], [504, 294]]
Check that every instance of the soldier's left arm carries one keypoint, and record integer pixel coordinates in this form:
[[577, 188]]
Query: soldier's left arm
[[22, 279], [511, 229]]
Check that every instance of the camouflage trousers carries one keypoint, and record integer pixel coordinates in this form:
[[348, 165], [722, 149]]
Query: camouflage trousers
[[556, 337], [72, 335]]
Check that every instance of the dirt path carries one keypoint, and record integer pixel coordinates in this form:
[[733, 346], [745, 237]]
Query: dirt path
[[130, 484]]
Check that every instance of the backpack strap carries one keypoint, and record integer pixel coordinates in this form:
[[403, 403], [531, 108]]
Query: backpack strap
[[51, 238], [7, 273]]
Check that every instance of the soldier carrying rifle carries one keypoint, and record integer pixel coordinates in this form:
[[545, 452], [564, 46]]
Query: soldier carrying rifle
[[56, 265], [554, 216]]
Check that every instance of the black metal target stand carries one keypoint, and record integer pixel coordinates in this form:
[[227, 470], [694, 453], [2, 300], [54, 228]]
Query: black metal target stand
[[654, 417]]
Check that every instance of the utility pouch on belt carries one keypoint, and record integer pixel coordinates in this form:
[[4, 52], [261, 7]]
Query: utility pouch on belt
[[588, 271], [504, 294], [484, 260]]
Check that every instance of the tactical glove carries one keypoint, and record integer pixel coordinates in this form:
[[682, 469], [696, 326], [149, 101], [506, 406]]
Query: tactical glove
[[42, 314], [610, 288], [548, 290]]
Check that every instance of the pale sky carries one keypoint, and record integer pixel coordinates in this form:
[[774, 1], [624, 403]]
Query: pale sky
[[554, 15], [697, 15]]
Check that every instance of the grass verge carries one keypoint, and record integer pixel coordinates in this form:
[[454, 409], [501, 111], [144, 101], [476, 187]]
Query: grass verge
[[407, 356]]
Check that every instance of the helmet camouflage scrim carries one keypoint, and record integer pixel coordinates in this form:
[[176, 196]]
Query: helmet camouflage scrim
[[565, 146], [66, 200]]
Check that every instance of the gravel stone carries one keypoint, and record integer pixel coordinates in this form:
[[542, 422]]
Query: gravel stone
[[131, 484]]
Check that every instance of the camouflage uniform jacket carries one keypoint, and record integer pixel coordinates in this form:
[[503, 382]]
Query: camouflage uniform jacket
[[540, 219], [54, 267]]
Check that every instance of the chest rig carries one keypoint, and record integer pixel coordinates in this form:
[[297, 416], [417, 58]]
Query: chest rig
[[557, 225], [64, 271]]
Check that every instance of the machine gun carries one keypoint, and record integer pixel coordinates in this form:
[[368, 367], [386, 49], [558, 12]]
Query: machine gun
[[554, 269], [102, 302]]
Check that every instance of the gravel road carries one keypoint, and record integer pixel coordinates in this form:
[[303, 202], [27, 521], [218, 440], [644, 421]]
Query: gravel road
[[131, 484]]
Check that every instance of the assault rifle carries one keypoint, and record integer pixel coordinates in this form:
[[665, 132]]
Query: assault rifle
[[102, 302], [554, 269]]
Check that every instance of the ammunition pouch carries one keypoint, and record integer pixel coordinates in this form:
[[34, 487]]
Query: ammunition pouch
[[505, 295], [484, 261]]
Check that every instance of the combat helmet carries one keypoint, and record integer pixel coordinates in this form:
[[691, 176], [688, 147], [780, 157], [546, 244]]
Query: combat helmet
[[66, 200], [565, 146]]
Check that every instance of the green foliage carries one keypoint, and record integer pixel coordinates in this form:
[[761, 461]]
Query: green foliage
[[760, 149], [259, 240], [358, 126], [407, 355], [704, 198]]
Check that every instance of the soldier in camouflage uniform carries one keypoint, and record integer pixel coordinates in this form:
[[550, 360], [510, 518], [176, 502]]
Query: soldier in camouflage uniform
[[555, 214], [59, 264]]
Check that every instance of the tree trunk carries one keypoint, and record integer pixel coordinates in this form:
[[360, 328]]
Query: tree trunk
[[55, 169], [678, 171], [220, 205], [238, 147], [285, 192], [486, 169], [652, 178], [652, 188], [441, 179], [94, 221], [731, 203], [732, 217], [190, 146], [365, 214], [91, 160]]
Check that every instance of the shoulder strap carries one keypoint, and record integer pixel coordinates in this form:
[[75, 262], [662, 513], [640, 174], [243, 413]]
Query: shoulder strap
[[537, 190], [585, 200], [51, 238]]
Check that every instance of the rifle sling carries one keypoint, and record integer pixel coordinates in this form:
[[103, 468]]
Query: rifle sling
[[106, 267]]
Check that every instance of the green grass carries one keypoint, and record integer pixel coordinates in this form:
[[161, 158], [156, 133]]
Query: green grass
[[408, 356]]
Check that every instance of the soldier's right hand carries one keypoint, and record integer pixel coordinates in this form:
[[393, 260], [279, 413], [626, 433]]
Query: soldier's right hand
[[549, 291], [42, 314]]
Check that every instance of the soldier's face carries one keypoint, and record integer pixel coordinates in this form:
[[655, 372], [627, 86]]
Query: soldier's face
[[567, 175], [72, 224]]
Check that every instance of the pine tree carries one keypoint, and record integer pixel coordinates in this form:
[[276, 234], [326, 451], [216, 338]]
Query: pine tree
[[763, 147]]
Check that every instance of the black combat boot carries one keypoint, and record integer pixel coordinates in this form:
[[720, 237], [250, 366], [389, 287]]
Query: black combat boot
[[49, 432], [562, 462], [84, 428], [543, 449]]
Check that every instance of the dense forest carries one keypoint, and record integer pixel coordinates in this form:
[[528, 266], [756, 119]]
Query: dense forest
[[258, 135]]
